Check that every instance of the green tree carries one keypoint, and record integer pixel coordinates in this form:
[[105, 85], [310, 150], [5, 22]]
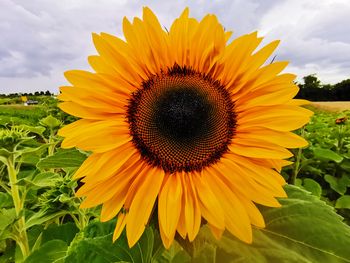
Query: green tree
[[342, 90], [311, 81]]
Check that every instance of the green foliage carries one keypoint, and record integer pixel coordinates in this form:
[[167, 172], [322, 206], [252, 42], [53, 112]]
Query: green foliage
[[343, 202], [63, 158], [304, 229], [40, 219], [327, 159], [17, 115]]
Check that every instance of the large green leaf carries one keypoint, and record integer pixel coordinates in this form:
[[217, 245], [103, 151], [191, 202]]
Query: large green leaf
[[97, 246], [53, 251], [65, 232], [304, 229], [62, 158]]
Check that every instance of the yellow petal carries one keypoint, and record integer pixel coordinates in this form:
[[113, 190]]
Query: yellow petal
[[110, 102], [113, 205], [97, 193], [254, 214], [169, 205], [217, 232], [86, 166], [236, 218], [209, 205], [158, 39], [142, 204], [191, 207], [285, 139], [117, 60], [279, 118], [166, 241], [85, 112], [267, 97], [96, 136], [298, 102], [235, 176], [181, 226], [112, 163], [263, 176], [100, 66], [235, 59], [258, 149], [121, 221]]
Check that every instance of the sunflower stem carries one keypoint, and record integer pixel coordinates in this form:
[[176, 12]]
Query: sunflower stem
[[22, 238]]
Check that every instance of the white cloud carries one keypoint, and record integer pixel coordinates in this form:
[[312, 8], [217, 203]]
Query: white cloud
[[41, 39], [315, 36]]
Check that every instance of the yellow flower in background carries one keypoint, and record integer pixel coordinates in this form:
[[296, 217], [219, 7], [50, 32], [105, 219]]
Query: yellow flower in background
[[185, 122]]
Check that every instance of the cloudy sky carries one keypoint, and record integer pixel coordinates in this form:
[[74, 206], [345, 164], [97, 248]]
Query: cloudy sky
[[40, 39]]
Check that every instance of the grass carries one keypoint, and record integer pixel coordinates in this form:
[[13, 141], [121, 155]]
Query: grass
[[20, 114]]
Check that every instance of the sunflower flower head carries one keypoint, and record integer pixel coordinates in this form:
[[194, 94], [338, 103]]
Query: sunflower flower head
[[183, 121]]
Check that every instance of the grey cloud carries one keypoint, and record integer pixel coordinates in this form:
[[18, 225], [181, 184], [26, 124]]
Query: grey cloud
[[314, 35], [40, 39]]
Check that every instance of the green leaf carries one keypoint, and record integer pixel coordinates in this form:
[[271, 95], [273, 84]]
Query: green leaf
[[343, 202], [65, 232], [50, 122], [338, 184], [345, 165], [41, 217], [312, 186], [100, 248], [31, 151], [62, 158], [53, 251], [37, 129], [175, 254], [7, 217], [4, 154], [46, 179], [30, 159], [327, 154], [304, 229], [5, 200]]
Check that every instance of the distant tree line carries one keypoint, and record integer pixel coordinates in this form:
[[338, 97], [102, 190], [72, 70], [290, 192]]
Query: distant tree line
[[37, 93], [313, 90]]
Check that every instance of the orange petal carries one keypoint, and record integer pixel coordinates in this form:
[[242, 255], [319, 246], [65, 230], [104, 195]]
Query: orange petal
[[142, 204], [169, 205]]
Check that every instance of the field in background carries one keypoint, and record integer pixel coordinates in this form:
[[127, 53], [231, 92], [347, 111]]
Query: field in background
[[332, 105]]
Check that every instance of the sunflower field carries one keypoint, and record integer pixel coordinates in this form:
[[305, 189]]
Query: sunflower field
[[40, 218], [178, 146]]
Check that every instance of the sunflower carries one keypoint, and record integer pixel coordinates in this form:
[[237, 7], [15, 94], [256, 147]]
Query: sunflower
[[183, 124]]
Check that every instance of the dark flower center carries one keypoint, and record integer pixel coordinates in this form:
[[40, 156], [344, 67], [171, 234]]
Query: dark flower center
[[182, 113], [181, 120]]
